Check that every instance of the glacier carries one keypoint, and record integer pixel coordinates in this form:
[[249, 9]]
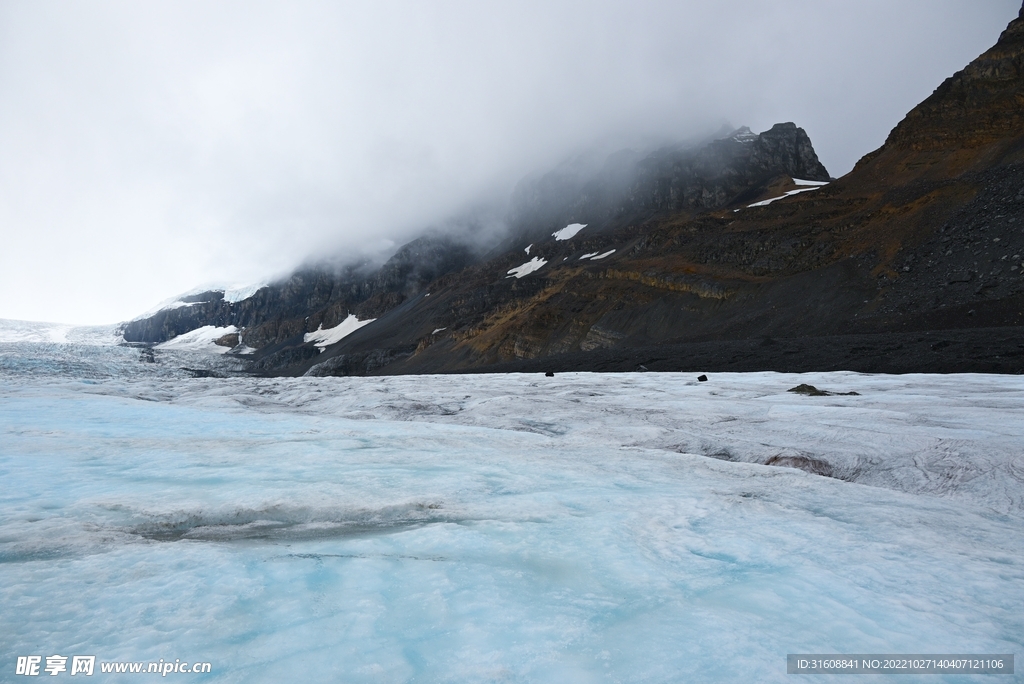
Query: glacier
[[479, 528]]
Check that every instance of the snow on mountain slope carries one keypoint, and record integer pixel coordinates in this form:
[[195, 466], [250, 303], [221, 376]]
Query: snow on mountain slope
[[529, 267], [764, 203], [569, 231], [325, 338]]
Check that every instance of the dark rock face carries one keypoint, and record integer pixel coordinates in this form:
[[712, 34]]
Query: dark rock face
[[310, 297], [976, 106], [787, 147], [714, 176]]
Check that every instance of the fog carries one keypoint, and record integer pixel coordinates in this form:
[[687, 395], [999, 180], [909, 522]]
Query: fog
[[147, 148]]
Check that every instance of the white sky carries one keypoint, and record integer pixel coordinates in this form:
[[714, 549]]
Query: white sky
[[146, 148]]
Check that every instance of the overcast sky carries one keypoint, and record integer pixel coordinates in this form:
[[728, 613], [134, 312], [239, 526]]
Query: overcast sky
[[149, 147]]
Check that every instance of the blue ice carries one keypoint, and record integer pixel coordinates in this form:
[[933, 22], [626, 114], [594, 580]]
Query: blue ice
[[249, 524]]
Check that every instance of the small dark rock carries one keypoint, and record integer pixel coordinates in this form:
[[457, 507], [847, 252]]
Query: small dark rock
[[549, 374], [702, 378]]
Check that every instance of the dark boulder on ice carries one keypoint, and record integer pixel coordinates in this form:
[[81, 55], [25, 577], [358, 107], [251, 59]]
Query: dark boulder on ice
[[812, 391]]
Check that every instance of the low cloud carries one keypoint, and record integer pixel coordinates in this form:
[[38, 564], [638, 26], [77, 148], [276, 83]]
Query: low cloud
[[148, 148]]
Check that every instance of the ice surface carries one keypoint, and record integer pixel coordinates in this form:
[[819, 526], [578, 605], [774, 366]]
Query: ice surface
[[507, 527], [200, 340], [526, 269], [238, 293], [569, 231], [325, 338], [35, 332]]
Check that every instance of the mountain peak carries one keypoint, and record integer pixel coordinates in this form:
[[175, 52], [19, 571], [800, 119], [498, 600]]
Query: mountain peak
[[742, 134], [977, 106]]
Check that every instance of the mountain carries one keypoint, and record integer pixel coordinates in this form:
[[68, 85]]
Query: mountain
[[736, 254], [277, 318]]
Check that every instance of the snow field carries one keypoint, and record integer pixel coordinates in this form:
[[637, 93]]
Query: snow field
[[199, 340]]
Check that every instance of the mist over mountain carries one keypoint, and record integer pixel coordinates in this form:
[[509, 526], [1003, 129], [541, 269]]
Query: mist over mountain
[[167, 146]]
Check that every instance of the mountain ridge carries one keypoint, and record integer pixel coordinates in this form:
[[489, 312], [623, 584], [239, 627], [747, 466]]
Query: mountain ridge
[[689, 247]]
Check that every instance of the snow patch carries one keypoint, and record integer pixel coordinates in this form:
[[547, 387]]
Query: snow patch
[[588, 255], [437, 330], [800, 181], [764, 203], [526, 269], [325, 338], [602, 256], [528, 247], [201, 339], [569, 231]]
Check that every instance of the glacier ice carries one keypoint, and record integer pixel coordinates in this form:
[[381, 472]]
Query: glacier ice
[[502, 527]]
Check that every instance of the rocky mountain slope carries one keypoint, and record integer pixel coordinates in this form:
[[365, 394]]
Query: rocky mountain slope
[[687, 259], [684, 179]]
